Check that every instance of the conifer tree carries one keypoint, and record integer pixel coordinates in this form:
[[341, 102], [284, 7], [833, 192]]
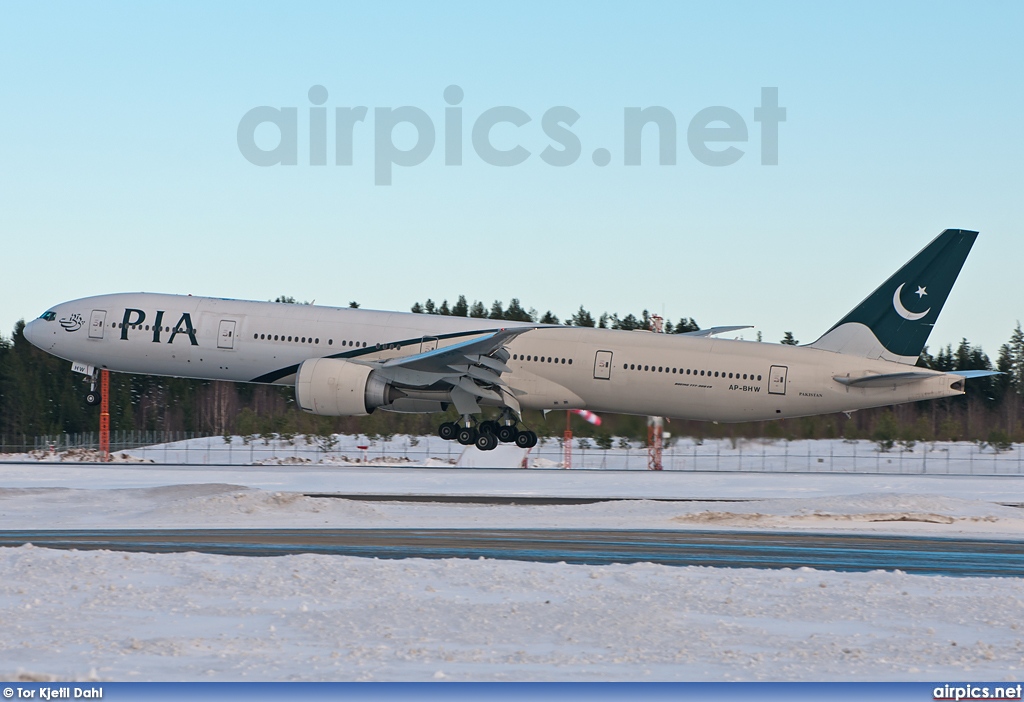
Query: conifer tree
[[685, 324], [516, 313], [582, 318], [478, 310], [1015, 356], [460, 308]]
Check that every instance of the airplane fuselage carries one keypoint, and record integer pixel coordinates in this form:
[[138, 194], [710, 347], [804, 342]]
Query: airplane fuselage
[[638, 372]]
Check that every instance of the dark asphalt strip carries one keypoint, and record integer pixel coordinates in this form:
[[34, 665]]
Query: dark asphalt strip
[[724, 549]]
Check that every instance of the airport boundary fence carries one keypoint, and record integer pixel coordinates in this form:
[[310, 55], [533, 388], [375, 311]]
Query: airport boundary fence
[[723, 455]]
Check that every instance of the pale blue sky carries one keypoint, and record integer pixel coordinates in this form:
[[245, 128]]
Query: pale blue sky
[[120, 169]]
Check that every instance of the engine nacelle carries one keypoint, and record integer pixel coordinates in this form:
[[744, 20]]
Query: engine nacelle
[[339, 388]]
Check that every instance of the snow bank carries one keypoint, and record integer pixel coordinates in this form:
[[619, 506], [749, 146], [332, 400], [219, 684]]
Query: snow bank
[[72, 455], [235, 506], [130, 616]]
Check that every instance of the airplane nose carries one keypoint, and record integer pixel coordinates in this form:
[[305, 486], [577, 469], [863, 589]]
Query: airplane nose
[[32, 332]]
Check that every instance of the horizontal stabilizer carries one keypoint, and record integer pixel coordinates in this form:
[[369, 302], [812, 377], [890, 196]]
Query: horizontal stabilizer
[[711, 331], [884, 380], [975, 373]]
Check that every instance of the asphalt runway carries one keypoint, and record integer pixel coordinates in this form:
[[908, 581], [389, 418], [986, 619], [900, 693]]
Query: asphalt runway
[[722, 549]]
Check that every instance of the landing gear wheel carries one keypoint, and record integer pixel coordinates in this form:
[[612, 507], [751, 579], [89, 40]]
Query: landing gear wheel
[[489, 427], [486, 441], [92, 398], [507, 434], [466, 436], [448, 431], [526, 439]]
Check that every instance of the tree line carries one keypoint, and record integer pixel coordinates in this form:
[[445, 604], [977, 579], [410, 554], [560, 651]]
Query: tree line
[[39, 395], [581, 318]]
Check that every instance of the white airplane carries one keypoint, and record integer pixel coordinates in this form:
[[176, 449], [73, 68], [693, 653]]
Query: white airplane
[[348, 362]]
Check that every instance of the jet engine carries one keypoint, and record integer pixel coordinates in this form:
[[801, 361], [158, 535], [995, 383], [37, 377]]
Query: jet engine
[[339, 388]]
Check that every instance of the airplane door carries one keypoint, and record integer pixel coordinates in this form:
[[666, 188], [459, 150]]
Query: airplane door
[[226, 334], [97, 322], [428, 343], [603, 365], [777, 380]]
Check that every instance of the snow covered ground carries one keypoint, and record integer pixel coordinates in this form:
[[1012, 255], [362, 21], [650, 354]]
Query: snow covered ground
[[219, 505], [129, 616]]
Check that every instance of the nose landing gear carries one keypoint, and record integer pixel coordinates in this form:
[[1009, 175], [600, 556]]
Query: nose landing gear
[[93, 396]]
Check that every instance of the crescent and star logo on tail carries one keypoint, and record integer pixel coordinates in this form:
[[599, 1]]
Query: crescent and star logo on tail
[[903, 311]]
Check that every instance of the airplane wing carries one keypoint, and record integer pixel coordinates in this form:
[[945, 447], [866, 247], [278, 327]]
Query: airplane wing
[[440, 359], [470, 369], [711, 331]]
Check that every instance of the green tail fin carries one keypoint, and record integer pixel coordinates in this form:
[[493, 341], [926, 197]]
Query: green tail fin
[[895, 320]]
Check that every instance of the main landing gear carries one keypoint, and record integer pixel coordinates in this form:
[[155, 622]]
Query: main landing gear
[[486, 435]]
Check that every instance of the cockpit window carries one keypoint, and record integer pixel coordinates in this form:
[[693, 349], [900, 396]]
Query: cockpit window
[[48, 316]]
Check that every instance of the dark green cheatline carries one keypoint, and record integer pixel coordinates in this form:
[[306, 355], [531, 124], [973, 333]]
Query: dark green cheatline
[[841, 552]]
